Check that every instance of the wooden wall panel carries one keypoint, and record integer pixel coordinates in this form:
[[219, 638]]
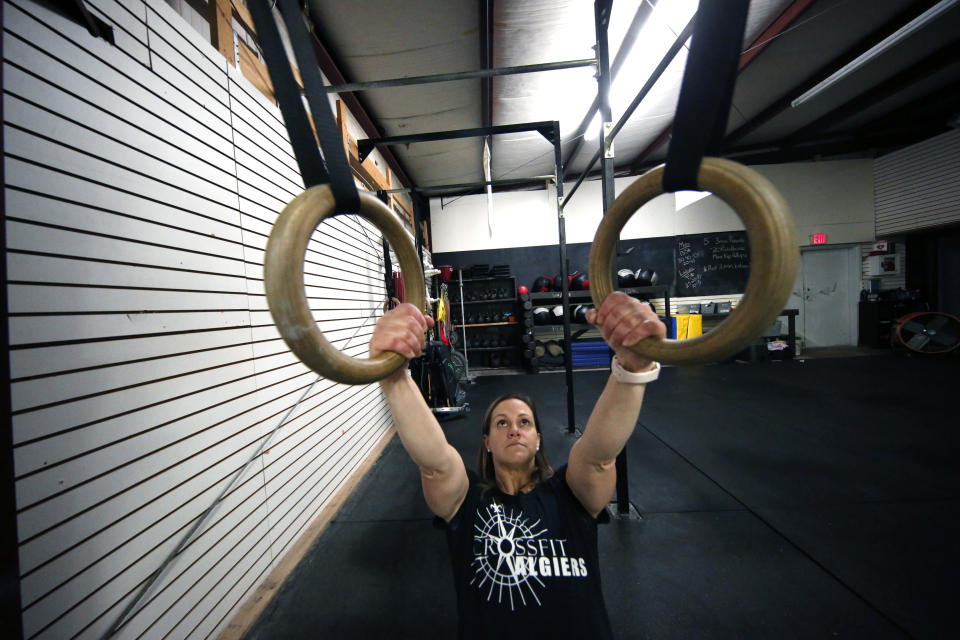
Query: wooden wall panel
[[148, 378]]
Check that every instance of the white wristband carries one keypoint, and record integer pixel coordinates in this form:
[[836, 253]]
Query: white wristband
[[629, 377]]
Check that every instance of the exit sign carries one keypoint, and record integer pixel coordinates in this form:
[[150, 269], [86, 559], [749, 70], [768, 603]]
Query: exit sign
[[819, 238]]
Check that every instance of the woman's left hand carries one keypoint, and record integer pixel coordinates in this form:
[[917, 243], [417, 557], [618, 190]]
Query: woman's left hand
[[624, 321]]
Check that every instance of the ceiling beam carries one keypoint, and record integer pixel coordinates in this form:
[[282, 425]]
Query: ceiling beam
[[469, 187], [774, 29], [911, 76], [778, 26], [864, 145], [484, 74], [486, 61], [546, 128], [783, 103], [940, 107], [925, 117]]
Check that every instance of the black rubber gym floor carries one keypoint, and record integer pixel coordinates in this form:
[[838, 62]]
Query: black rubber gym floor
[[805, 499]]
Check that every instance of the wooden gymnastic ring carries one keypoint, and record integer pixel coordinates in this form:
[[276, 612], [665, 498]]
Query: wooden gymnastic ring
[[773, 258], [283, 280]]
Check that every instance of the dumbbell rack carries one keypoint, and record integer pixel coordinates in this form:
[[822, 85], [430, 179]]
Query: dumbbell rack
[[492, 308], [579, 330]]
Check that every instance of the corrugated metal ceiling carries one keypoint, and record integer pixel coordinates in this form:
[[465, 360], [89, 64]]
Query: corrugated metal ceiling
[[379, 39]]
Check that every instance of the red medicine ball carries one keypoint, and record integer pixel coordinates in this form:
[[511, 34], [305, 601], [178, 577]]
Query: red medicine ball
[[522, 289]]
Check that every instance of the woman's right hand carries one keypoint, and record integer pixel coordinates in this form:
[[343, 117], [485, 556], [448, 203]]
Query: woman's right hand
[[401, 330], [442, 474]]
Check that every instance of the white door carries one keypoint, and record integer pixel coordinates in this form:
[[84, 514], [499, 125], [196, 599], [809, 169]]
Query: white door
[[828, 297], [796, 302]]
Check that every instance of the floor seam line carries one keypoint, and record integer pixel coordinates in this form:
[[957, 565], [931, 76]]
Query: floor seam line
[[782, 535]]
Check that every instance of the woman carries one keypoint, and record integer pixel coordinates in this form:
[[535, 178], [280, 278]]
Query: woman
[[523, 539]]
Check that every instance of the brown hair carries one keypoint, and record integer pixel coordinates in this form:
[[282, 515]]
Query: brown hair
[[542, 469]]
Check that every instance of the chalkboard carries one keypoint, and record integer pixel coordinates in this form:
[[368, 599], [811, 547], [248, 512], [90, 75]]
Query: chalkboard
[[700, 264], [655, 254], [712, 263]]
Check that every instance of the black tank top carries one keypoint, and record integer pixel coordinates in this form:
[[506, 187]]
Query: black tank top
[[526, 564]]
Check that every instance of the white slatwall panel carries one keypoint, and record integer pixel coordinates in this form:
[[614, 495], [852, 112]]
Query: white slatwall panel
[[919, 186], [142, 181], [888, 282], [733, 298]]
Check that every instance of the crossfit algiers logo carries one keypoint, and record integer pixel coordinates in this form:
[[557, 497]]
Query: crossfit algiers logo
[[511, 556]]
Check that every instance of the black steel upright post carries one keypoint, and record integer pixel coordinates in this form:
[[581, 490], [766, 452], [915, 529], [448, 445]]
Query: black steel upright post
[[418, 209], [602, 17], [387, 264], [565, 300], [602, 10]]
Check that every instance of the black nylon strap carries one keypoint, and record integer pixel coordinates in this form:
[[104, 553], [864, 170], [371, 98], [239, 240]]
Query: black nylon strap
[[331, 144], [707, 91], [287, 92], [313, 170]]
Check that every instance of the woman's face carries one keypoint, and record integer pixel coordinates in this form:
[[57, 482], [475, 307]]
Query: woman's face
[[513, 439]]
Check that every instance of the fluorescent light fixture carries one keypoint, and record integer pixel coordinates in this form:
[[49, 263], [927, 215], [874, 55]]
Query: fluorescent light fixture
[[890, 41], [657, 36], [667, 19], [594, 129]]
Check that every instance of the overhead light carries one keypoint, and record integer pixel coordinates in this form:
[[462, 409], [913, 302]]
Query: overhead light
[[655, 38], [876, 50], [594, 129]]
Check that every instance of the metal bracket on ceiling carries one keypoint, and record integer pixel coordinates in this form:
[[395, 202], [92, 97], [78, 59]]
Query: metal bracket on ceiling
[[549, 131], [608, 137], [364, 149]]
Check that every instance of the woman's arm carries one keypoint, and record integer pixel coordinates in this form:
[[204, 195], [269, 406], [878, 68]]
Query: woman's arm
[[591, 474], [442, 473]]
